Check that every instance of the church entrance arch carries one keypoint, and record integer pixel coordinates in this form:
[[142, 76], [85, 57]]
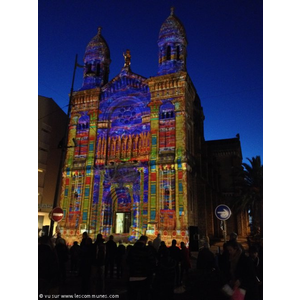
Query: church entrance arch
[[122, 200], [121, 208]]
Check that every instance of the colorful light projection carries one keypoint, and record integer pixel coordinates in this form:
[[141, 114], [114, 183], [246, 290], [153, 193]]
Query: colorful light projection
[[172, 46], [74, 213], [82, 136], [124, 132], [167, 132], [96, 62], [126, 176]]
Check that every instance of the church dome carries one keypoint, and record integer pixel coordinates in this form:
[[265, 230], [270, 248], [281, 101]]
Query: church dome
[[96, 62], [97, 48], [172, 30], [172, 45]]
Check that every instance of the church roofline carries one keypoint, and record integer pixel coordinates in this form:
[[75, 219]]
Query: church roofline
[[228, 141], [225, 145], [125, 73]]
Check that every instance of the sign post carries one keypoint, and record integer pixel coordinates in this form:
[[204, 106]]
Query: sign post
[[223, 213]]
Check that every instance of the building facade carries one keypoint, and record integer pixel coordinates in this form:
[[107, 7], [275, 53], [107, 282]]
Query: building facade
[[51, 129], [136, 166], [225, 168]]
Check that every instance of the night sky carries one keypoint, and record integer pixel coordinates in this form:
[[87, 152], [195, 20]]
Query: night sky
[[224, 61]]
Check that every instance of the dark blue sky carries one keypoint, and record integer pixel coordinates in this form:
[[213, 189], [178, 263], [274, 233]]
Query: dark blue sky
[[225, 54]]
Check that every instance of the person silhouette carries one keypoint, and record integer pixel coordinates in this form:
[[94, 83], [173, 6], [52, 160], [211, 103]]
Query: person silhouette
[[98, 265], [157, 242], [242, 271], [48, 267], [185, 263], [175, 254], [141, 263], [120, 253], [85, 262], [111, 249], [206, 267], [164, 282], [75, 257], [63, 256]]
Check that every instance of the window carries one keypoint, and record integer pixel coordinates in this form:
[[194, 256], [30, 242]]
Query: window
[[168, 52], [89, 68], [178, 52], [82, 136], [167, 127]]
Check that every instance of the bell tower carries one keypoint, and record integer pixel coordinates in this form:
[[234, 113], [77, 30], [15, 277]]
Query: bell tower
[[96, 62], [172, 45]]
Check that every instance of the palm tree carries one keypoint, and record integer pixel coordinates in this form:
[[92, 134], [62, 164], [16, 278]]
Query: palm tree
[[251, 197]]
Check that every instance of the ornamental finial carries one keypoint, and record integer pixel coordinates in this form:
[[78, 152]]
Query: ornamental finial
[[127, 58], [172, 11]]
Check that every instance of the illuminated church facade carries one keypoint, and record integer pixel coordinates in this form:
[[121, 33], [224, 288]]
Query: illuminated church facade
[[137, 163]]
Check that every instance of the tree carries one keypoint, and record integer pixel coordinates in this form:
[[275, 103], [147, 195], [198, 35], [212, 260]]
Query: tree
[[251, 197]]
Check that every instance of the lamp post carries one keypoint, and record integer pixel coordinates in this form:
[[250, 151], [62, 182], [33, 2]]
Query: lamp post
[[64, 147]]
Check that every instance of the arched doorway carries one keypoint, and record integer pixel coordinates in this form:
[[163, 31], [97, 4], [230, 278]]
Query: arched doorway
[[121, 209]]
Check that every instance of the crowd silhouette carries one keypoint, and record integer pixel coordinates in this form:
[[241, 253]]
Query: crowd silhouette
[[149, 270]]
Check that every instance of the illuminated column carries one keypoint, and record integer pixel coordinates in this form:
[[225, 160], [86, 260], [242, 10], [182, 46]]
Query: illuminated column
[[71, 136], [95, 202], [184, 199], [103, 147], [137, 206], [154, 125], [141, 211], [114, 205], [66, 191], [129, 149], [87, 204], [99, 223], [118, 152], [179, 155], [135, 143]]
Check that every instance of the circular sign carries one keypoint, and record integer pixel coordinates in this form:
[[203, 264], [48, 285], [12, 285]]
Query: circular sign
[[57, 214], [222, 212]]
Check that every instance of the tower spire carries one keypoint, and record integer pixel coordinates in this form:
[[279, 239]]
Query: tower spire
[[172, 46], [172, 10], [96, 62]]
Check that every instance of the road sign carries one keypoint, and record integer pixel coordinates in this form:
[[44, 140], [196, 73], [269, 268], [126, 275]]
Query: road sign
[[57, 214], [222, 212]]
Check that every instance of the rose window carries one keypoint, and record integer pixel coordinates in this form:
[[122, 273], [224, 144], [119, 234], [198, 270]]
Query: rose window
[[126, 114]]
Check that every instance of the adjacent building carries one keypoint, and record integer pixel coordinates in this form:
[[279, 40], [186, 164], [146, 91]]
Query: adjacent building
[[51, 130]]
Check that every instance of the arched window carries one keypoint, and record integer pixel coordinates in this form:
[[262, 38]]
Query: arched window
[[89, 68], [167, 127], [178, 53], [82, 138], [98, 70], [168, 52]]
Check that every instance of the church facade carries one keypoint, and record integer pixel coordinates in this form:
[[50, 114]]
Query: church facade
[[137, 164]]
